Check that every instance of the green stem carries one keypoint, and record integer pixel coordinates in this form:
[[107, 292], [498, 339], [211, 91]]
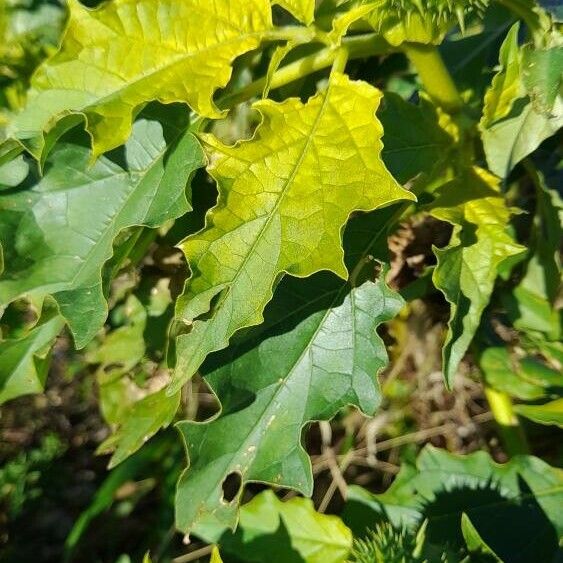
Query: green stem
[[511, 432], [357, 47], [434, 75], [340, 60]]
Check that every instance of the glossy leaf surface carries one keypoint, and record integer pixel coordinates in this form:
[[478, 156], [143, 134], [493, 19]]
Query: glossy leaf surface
[[58, 234]]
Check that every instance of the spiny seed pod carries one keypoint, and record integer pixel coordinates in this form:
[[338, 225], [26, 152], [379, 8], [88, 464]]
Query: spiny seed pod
[[421, 21]]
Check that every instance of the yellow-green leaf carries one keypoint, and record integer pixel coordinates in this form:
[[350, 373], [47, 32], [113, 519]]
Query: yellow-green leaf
[[284, 197], [506, 85], [303, 10], [127, 52], [468, 266]]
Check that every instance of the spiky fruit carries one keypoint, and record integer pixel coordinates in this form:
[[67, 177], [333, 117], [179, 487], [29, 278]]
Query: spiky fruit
[[386, 544], [421, 21]]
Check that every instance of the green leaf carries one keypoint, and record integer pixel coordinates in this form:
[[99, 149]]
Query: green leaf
[[60, 232], [534, 308], [475, 542], [514, 507], [24, 362], [290, 530], [548, 413], [319, 353], [29, 32], [135, 414], [542, 74], [511, 139], [506, 85], [504, 373], [528, 379], [523, 106], [284, 198], [122, 348], [13, 172], [468, 266], [303, 10], [127, 52], [142, 420], [413, 141]]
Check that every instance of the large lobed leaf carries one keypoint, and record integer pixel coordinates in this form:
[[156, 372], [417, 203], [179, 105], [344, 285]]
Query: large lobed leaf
[[128, 52], [57, 235], [468, 266], [284, 198]]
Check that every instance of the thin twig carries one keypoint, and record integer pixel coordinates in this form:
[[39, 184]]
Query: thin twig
[[421, 435], [338, 481], [193, 555]]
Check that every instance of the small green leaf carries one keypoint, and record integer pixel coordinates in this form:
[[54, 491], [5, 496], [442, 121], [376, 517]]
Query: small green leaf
[[475, 543], [13, 172], [24, 362], [288, 529], [57, 235], [511, 139], [139, 423], [284, 198], [534, 307], [468, 266], [548, 413], [125, 53], [506, 86], [504, 373]]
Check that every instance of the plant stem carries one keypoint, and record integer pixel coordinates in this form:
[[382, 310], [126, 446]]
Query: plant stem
[[357, 47], [511, 432], [434, 75]]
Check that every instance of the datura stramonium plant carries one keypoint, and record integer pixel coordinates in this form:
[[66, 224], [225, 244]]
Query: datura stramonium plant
[[421, 21]]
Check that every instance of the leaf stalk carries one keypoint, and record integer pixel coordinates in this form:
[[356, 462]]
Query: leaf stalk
[[357, 47]]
